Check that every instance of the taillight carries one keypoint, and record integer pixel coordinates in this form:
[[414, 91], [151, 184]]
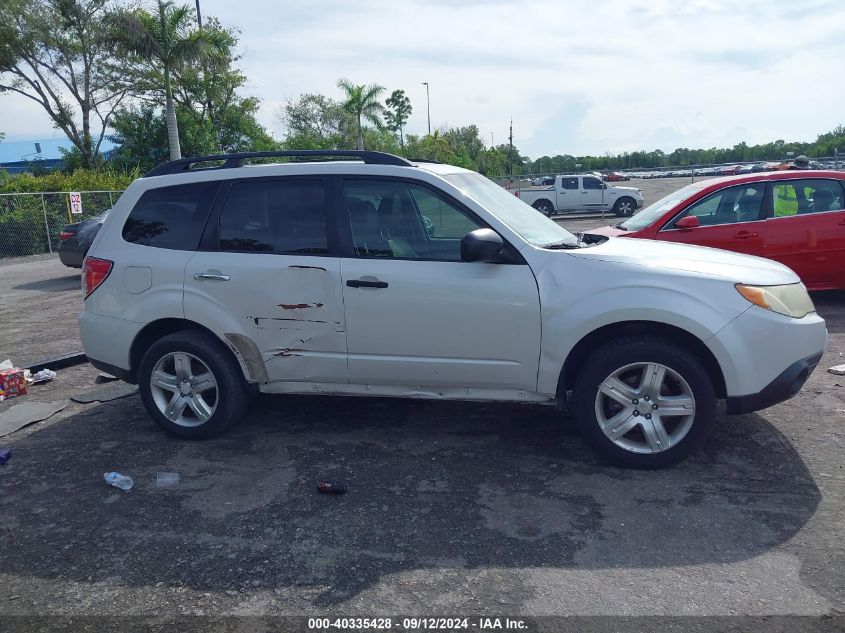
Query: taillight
[[94, 272], [516, 193], [66, 234]]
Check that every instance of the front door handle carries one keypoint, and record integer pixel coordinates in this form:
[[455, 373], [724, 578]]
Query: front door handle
[[211, 277], [363, 283], [744, 235]]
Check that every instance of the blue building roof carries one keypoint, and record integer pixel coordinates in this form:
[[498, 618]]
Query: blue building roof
[[17, 151], [16, 156]]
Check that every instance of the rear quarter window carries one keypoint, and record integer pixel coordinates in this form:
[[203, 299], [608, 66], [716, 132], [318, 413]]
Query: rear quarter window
[[171, 217]]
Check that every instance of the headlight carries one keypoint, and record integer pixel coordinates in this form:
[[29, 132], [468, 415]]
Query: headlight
[[791, 300]]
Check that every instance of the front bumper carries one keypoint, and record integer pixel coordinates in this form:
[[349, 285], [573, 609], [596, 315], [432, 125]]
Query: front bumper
[[786, 385]]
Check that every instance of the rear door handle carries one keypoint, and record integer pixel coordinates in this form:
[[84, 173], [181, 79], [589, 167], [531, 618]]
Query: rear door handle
[[363, 283], [211, 277], [744, 235]]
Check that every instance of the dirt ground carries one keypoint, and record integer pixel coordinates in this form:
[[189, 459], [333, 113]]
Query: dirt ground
[[453, 508]]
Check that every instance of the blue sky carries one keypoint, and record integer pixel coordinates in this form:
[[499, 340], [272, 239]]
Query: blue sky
[[577, 77]]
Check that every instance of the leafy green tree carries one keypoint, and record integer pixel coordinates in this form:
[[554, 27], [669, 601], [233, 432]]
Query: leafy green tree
[[141, 133], [398, 110], [315, 121], [468, 138], [165, 41], [57, 53], [363, 104]]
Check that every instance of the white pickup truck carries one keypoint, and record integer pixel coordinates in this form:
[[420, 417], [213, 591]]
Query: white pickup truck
[[582, 193]]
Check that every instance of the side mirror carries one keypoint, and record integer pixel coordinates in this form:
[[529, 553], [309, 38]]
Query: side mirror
[[481, 245], [688, 222]]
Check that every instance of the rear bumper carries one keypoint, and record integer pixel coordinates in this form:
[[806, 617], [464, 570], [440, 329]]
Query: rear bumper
[[125, 375], [783, 387], [71, 258], [107, 341]]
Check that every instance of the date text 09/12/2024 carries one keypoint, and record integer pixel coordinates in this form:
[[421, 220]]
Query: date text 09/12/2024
[[418, 623]]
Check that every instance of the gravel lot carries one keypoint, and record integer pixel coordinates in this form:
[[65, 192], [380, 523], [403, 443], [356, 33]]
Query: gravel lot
[[453, 508]]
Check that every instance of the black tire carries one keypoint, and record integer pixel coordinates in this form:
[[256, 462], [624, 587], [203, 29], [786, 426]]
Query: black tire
[[643, 349], [625, 207], [545, 207], [232, 395]]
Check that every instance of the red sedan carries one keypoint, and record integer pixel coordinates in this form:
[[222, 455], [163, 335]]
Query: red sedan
[[795, 217]]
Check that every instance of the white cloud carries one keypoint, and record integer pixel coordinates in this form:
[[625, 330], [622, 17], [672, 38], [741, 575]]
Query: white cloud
[[577, 76]]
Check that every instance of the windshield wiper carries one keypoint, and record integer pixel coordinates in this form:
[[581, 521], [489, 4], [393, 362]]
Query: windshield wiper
[[620, 227], [561, 245]]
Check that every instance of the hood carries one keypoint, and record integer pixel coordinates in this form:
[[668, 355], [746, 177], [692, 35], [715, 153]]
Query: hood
[[608, 230], [639, 191], [695, 260]]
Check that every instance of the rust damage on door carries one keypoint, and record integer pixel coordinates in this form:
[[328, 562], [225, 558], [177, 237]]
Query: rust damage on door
[[299, 306]]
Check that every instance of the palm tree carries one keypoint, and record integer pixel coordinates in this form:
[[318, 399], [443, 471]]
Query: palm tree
[[163, 40], [362, 103]]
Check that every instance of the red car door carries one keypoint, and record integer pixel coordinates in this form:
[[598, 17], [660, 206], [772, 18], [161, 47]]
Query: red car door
[[805, 229], [729, 219]]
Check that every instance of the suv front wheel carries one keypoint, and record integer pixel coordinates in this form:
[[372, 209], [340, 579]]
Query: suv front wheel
[[191, 385], [644, 402]]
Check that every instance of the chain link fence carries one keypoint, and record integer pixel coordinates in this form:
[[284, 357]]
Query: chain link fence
[[31, 223]]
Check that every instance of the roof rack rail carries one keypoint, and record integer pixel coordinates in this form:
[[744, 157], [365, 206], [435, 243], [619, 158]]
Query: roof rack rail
[[237, 159]]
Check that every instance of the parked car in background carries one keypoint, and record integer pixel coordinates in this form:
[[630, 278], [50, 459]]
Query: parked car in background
[[75, 240], [727, 170], [615, 176], [582, 193], [207, 285], [793, 217]]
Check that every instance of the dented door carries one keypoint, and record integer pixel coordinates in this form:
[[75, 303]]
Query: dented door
[[270, 281], [291, 307]]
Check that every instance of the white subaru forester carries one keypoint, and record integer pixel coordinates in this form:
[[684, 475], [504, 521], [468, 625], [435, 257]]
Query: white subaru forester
[[213, 279]]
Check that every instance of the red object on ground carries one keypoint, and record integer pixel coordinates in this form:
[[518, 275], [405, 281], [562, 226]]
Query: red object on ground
[[12, 383]]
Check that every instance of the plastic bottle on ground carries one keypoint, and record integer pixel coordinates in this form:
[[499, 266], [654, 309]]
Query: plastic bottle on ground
[[119, 481]]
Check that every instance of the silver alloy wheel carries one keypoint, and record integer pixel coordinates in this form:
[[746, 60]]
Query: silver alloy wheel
[[645, 407], [625, 207], [184, 389]]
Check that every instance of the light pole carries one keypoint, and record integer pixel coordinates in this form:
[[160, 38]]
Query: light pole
[[491, 141], [427, 106]]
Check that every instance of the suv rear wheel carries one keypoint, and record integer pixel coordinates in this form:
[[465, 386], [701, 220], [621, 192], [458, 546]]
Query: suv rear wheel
[[644, 402], [545, 207], [624, 207], [191, 385]]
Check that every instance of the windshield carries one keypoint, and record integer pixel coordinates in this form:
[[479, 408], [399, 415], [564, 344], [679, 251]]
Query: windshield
[[532, 225], [647, 216]]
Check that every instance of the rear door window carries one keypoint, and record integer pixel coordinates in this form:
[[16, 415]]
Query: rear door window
[[171, 217], [569, 183], [275, 216], [800, 197]]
